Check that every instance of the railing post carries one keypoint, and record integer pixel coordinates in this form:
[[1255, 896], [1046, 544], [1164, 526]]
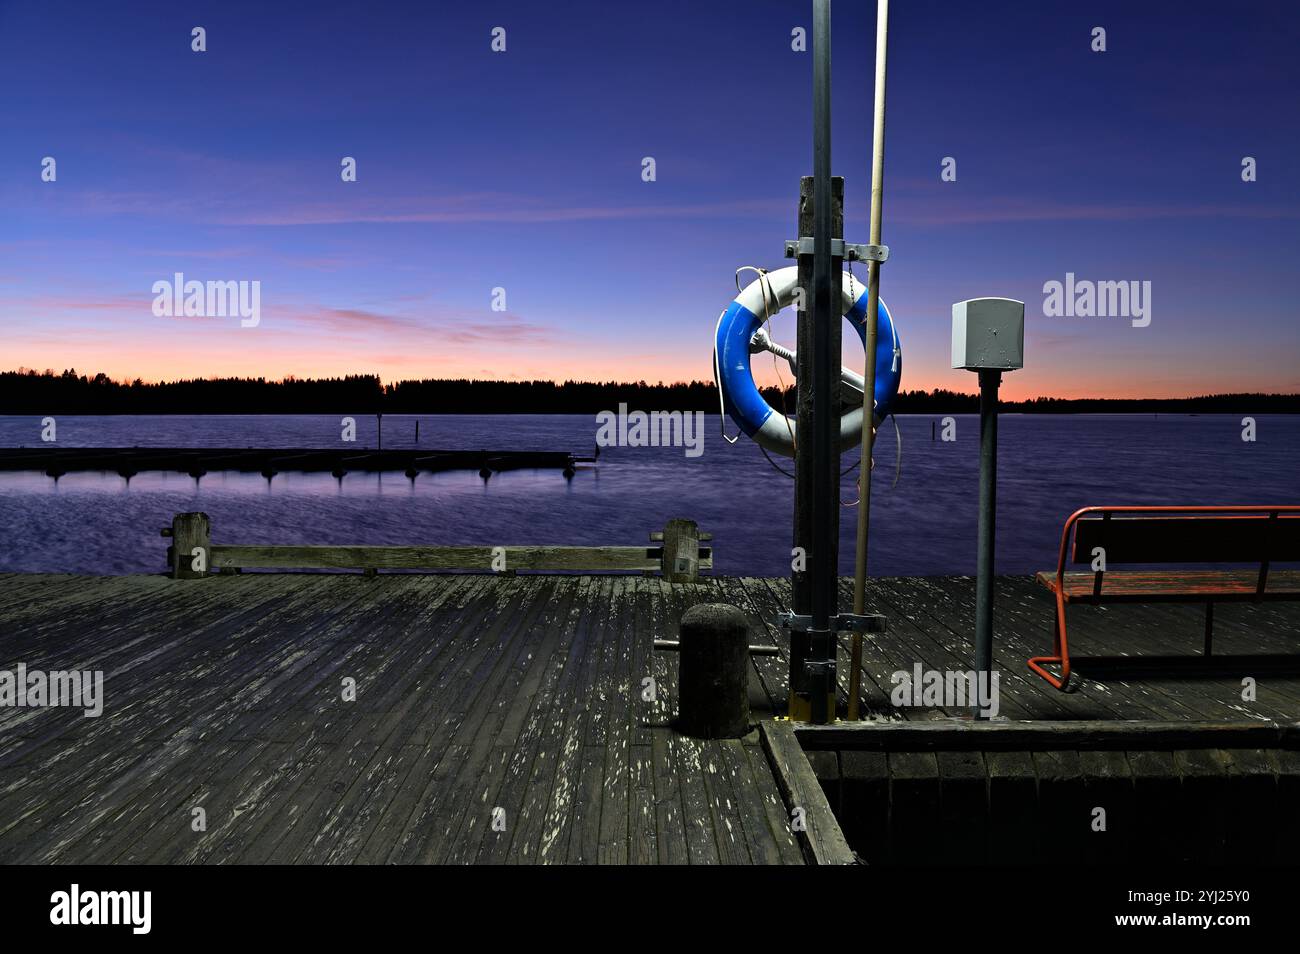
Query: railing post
[[679, 561], [190, 555]]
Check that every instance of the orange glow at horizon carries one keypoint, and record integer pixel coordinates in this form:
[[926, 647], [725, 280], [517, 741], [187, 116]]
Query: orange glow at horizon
[[321, 342], [153, 362]]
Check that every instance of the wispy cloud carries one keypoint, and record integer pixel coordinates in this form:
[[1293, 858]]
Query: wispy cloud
[[934, 210], [282, 207], [418, 320], [285, 207], [486, 208], [429, 323]]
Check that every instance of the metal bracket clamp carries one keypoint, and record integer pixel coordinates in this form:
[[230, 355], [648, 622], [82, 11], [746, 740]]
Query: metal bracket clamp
[[839, 249], [844, 622]]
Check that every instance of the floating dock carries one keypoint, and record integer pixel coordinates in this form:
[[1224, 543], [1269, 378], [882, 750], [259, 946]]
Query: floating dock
[[527, 720], [198, 461]]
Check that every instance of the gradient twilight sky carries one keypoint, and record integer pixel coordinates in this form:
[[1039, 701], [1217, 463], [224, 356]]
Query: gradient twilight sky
[[522, 170]]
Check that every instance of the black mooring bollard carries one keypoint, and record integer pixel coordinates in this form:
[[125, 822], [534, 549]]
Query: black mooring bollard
[[713, 680]]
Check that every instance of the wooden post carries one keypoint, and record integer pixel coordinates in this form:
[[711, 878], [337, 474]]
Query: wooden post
[[680, 560], [188, 531], [713, 680]]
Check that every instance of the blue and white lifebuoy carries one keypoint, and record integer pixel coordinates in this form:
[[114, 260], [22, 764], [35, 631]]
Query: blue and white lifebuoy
[[740, 395]]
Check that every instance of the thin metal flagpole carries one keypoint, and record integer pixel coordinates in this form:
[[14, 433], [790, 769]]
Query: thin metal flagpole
[[825, 363], [869, 377]]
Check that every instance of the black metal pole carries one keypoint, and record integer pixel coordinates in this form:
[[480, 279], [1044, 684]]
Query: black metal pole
[[989, 383], [826, 371], [804, 489]]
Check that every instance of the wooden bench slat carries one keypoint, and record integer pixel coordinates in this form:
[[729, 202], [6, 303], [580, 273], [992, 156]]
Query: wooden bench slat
[[1188, 539], [1174, 585]]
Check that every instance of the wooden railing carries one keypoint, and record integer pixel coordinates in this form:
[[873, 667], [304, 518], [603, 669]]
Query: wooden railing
[[678, 555]]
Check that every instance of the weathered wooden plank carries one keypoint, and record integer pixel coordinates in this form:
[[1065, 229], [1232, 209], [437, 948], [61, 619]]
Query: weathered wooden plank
[[165, 808], [1024, 621], [670, 830], [383, 690], [324, 799], [505, 729], [619, 698], [1175, 586], [223, 694], [436, 557], [728, 829], [964, 807], [755, 597], [399, 712], [864, 803], [1014, 826], [768, 673], [956, 735], [643, 822], [769, 791], [1203, 808], [1252, 808], [657, 621], [1063, 815], [421, 748], [584, 834], [1156, 788], [528, 787], [915, 798], [1019, 621], [558, 814], [316, 727], [750, 814], [697, 816], [1287, 834], [480, 713], [207, 707], [922, 630], [818, 832], [1108, 782]]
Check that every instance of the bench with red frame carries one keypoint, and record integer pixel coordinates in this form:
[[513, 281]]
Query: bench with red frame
[[1173, 535]]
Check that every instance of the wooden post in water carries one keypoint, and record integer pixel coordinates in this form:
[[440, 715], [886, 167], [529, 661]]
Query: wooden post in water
[[680, 561], [713, 680], [189, 532]]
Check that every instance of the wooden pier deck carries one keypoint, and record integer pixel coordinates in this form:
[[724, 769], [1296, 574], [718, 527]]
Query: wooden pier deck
[[478, 698]]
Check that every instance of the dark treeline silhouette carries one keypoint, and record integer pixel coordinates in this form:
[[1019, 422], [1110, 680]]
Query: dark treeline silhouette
[[31, 392]]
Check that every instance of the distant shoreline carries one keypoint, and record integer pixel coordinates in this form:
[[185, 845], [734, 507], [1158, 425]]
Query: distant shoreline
[[25, 392], [1013, 408], [1003, 409]]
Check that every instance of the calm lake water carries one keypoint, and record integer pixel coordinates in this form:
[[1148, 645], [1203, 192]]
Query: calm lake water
[[1049, 466]]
